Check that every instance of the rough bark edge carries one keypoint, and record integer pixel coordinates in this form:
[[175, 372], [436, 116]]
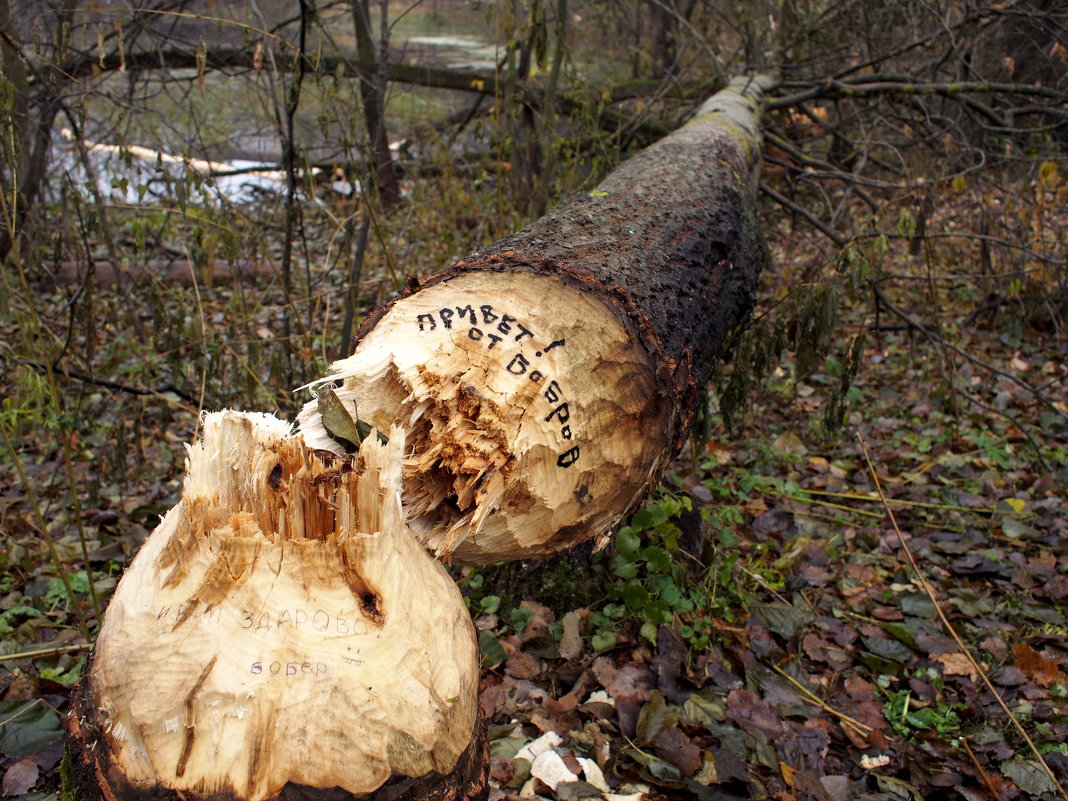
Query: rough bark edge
[[735, 113], [88, 761]]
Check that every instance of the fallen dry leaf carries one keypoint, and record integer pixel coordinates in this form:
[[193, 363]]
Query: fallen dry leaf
[[550, 770], [675, 747], [754, 714], [1040, 670], [571, 640], [521, 665], [21, 777], [957, 664]]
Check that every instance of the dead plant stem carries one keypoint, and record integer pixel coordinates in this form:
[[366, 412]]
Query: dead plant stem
[[981, 770], [62, 649], [861, 728]]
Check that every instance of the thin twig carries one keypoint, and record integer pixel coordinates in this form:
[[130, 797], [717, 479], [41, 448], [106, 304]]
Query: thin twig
[[796, 209], [856, 496], [976, 667], [979, 767], [61, 649], [108, 384], [810, 697]]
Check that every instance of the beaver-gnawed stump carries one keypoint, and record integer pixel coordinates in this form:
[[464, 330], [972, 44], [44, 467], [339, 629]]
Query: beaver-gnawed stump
[[282, 635]]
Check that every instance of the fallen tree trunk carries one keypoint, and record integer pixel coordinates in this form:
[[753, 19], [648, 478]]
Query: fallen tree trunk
[[282, 635], [545, 382]]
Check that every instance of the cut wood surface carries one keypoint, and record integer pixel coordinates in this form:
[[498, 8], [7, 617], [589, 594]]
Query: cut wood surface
[[545, 382], [503, 440], [281, 633]]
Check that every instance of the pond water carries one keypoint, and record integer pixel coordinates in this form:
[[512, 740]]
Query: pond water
[[446, 34], [147, 172]]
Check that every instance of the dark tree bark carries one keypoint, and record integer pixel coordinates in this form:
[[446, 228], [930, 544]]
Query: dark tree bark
[[33, 119], [372, 77], [546, 381], [665, 23]]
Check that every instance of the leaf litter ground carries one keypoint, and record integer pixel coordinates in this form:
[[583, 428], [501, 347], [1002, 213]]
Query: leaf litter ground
[[815, 666]]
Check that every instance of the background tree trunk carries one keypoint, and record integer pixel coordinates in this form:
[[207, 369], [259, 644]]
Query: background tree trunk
[[372, 77], [544, 382]]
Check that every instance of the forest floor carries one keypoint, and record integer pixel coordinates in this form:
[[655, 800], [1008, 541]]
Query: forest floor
[[790, 633], [766, 626]]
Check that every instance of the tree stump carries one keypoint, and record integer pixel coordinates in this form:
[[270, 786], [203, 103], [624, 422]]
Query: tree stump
[[545, 382], [281, 634]]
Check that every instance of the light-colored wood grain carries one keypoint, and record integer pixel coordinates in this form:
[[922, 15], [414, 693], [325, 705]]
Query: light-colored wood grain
[[281, 625], [530, 413]]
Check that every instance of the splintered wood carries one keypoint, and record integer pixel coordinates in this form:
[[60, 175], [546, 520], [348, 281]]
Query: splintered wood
[[280, 627], [531, 415]]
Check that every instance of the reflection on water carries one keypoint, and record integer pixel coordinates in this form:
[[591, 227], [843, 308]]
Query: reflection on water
[[460, 52], [134, 174]]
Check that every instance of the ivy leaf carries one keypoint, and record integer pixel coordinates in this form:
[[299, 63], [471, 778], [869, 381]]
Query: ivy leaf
[[492, 651], [658, 612], [623, 567], [602, 641], [656, 559], [628, 543], [27, 728], [643, 518], [635, 595]]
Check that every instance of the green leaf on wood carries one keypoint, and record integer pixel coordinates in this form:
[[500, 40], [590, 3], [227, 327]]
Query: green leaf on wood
[[342, 426]]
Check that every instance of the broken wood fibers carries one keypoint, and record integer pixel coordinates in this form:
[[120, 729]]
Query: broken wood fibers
[[546, 381], [282, 631]]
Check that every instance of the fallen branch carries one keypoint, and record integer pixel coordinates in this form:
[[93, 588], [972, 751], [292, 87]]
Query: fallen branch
[[871, 85], [788, 204], [118, 386]]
